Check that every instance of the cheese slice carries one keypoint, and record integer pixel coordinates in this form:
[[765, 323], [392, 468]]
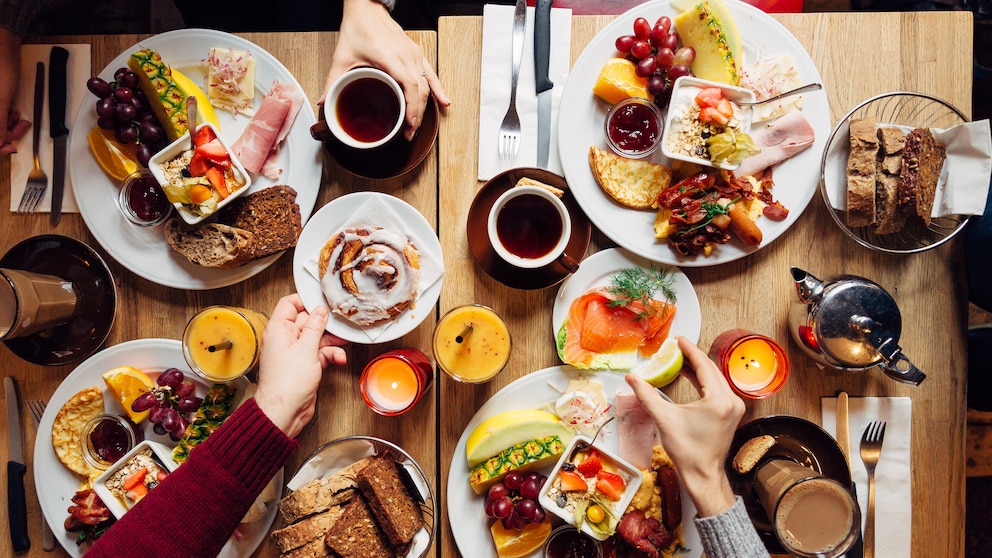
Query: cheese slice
[[231, 80]]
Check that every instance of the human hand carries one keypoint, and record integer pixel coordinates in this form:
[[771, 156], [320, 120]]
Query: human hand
[[697, 435], [12, 127], [370, 37], [295, 351]]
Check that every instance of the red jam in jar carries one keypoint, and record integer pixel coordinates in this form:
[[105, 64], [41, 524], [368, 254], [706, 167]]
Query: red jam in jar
[[108, 438], [633, 127], [147, 199], [568, 542]]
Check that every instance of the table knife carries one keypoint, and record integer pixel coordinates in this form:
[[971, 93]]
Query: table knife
[[844, 441], [17, 510], [542, 55], [59, 132]]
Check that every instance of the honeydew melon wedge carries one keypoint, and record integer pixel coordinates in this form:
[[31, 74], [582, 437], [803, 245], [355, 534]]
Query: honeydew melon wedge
[[508, 428]]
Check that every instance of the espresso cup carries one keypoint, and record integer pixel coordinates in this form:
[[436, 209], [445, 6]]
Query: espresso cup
[[529, 227], [364, 109], [33, 302], [812, 514]]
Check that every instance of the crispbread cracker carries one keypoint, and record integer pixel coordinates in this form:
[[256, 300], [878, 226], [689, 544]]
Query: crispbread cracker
[[524, 181], [67, 429], [751, 452], [634, 183]]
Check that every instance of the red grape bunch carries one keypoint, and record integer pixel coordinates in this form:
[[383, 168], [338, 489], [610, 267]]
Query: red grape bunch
[[169, 403], [514, 501], [123, 108], [658, 56]]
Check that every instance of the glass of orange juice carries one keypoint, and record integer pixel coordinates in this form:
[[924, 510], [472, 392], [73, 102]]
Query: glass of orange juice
[[394, 381], [471, 343], [756, 366], [223, 343]]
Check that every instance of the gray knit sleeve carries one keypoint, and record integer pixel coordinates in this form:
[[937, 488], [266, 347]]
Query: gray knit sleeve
[[730, 534], [387, 3]]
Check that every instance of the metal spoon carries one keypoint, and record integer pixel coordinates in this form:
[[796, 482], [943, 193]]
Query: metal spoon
[[191, 121], [796, 91]]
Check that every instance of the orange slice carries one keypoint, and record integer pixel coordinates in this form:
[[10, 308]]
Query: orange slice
[[618, 81], [126, 383], [515, 543], [115, 159]]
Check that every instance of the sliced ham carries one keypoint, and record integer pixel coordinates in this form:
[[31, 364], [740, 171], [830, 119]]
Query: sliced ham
[[779, 140], [258, 146], [636, 431]]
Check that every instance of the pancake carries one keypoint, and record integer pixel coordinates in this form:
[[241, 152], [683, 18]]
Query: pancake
[[67, 429]]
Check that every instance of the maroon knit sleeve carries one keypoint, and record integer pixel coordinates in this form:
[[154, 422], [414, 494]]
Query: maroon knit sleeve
[[195, 509]]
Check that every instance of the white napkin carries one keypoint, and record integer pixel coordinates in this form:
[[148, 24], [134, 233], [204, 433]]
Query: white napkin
[[21, 163], [893, 487], [494, 93], [375, 213], [963, 185]]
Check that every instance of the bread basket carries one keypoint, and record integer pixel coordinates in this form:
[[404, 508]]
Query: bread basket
[[902, 109]]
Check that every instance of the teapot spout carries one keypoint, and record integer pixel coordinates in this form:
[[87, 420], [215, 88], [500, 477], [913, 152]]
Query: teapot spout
[[809, 289]]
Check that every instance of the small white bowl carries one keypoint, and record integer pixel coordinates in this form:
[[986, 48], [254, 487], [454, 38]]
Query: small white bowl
[[160, 453], [683, 95], [631, 475], [157, 166]]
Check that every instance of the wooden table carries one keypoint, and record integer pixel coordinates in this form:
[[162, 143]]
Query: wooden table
[[146, 309], [858, 55]]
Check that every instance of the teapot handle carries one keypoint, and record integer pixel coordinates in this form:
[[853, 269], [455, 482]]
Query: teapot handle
[[897, 366]]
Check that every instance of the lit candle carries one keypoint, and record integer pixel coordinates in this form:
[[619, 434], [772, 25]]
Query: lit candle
[[471, 343], [752, 364], [394, 381]]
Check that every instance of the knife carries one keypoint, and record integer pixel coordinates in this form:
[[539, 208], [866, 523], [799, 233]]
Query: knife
[[56, 118], [542, 55], [844, 441], [17, 510]]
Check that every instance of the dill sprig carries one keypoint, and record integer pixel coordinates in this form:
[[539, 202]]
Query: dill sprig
[[636, 284]]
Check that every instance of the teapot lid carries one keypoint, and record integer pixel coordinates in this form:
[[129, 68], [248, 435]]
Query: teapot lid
[[854, 318]]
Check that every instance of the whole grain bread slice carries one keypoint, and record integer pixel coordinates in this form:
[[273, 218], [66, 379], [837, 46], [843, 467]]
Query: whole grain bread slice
[[922, 158], [357, 534], [395, 509], [321, 494], [271, 215], [210, 244], [306, 530], [861, 173]]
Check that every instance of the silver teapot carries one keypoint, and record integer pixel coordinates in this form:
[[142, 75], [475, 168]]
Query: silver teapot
[[850, 324]]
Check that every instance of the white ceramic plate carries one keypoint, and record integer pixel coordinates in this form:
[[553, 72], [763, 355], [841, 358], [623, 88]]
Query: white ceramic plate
[[796, 179], [466, 515], [56, 485], [596, 270], [144, 250], [327, 222]]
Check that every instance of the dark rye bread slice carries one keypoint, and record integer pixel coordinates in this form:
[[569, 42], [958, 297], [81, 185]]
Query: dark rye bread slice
[[387, 495], [357, 534], [210, 244], [922, 158], [322, 494], [861, 173], [888, 218], [271, 214]]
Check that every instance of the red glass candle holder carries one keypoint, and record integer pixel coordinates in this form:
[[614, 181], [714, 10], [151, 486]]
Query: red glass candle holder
[[755, 366], [394, 381]]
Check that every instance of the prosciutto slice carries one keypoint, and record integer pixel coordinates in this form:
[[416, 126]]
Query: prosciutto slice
[[779, 139], [258, 146], [636, 431]]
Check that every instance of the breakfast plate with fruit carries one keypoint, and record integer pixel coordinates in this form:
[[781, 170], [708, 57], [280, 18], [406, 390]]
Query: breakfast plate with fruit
[[144, 250], [517, 411], [761, 38], [153, 357]]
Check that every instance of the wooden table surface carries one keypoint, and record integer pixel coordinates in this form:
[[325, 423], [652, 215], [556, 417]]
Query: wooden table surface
[[858, 55]]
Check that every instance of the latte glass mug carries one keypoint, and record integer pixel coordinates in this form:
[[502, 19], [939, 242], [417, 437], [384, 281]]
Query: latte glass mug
[[813, 515], [33, 302]]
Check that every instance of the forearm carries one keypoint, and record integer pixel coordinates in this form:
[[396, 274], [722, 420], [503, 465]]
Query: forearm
[[730, 534]]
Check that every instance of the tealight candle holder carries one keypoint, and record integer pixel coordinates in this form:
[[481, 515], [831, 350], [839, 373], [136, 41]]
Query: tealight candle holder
[[393, 382], [756, 366]]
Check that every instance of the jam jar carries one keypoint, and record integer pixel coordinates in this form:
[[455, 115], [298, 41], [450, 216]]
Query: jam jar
[[107, 438], [633, 128]]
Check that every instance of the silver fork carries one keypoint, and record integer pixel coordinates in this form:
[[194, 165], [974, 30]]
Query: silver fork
[[509, 130], [34, 190], [871, 449], [37, 408]]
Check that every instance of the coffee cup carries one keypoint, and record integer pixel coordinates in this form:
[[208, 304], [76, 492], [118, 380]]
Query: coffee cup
[[812, 515], [529, 227], [363, 109], [32, 302]]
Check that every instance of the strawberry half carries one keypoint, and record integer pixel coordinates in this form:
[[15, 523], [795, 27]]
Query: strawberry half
[[610, 484], [198, 165], [214, 152], [204, 134], [571, 481], [591, 465], [217, 180]]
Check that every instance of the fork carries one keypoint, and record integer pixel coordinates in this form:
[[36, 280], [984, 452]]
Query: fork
[[37, 408], [509, 130], [37, 183], [871, 449]]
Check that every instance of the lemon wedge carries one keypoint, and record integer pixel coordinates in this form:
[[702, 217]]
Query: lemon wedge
[[663, 366]]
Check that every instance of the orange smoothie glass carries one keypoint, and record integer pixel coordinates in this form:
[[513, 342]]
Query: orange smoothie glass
[[222, 343], [471, 343], [756, 366], [393, 382]]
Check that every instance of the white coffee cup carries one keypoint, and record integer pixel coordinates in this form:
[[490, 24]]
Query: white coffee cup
[[529, 227], [365, 108]]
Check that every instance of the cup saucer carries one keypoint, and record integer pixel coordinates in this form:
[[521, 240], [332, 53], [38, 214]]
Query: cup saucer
[[499, 269], [393, 159], [73, 261]]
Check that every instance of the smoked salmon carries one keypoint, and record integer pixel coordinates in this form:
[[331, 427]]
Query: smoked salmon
[[599, 333]]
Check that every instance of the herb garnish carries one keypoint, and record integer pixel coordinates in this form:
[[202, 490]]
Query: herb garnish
[[636, 284]]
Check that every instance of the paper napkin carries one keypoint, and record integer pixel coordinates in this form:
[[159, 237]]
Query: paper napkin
[[893, 487], [21, 163], [375, 213], [494, 91]]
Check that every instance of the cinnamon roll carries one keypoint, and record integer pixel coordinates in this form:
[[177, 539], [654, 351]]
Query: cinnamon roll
[[369, 275]]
